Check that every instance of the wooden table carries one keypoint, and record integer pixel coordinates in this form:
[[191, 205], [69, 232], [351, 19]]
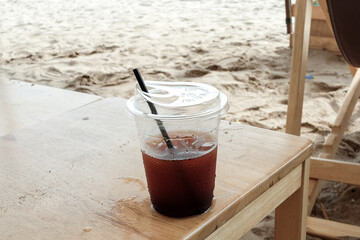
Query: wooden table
[[79, 175], [23, 104]]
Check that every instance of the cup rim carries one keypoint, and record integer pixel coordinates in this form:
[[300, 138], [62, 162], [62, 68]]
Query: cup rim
[[215, 112]]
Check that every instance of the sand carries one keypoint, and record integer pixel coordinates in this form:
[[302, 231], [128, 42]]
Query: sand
[[240, 47]]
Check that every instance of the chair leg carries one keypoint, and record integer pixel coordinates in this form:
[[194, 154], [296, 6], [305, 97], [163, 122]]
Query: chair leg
[[291, 215]]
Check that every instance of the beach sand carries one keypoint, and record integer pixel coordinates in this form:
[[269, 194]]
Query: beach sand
[[240, 47]]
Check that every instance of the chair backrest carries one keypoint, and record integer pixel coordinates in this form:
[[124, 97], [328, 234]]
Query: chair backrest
[[345, 20]]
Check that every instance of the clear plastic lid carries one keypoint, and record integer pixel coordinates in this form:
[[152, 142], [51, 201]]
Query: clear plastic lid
[[178, 100]]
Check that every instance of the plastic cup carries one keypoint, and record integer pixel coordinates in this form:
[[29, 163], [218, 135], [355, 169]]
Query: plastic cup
[[180, 179]]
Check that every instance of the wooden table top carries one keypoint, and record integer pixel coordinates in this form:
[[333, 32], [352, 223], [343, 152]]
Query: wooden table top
[[23, 104], [80, 175]]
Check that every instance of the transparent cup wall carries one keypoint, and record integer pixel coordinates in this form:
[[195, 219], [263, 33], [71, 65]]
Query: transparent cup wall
[[205, 130]]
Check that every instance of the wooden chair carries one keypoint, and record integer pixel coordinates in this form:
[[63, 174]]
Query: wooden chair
[[342, 17]]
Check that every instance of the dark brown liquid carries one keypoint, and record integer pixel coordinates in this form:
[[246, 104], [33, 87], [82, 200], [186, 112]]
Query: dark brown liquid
[[180, 188]]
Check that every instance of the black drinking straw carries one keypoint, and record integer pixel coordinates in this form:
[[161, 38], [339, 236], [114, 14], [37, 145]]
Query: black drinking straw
[[153, 110]]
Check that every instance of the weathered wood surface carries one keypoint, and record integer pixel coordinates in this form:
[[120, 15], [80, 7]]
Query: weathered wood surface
[[336, 171], [298, 67], [290, 216], [79, 175], [260, 207], [317, 13], [327, 229], [23, 104]]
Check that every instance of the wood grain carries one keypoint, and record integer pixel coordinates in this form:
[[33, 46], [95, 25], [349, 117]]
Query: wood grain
[[290, 216], [23, 104], [298, 66], [331, 230], [317, 13], [260, 207], [337, 171], [321, 43], [321, 35], [79, 175]]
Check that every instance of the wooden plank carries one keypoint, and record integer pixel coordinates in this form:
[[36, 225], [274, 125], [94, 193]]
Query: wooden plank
[[352, 69], [84, 178], [319, 28], [325, 12], [290, 216], [298, 66], [259, 208], [321, 34], [316, 12], [23, 104], [331, 230], [315, 186], [311, 185], [337, 171], [324, 43], [348, 105], [321, 43]]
